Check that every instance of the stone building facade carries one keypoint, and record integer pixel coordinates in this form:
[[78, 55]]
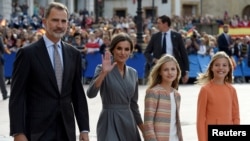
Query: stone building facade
[[233, 7], [125, 7], [179, 7], [73, 5]]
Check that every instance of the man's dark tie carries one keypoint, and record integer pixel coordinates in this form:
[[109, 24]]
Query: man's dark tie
[[164, 43], [58, 67]]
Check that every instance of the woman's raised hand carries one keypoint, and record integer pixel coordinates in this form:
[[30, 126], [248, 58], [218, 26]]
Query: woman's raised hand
[[107, 64]]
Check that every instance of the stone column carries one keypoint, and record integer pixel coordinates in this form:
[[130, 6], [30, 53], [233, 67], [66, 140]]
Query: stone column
[[31, 7], [70, 5], [90, 6], [80, 5], [49, 1], [64, 1], [177, 8], [20, 2], [6, 9]]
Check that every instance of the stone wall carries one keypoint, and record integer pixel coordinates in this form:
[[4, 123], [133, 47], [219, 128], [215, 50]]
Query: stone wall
[[211, 29], [5, 8], [218, 7]]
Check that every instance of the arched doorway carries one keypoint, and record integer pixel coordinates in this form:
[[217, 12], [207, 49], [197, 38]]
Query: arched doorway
[[246, 11]]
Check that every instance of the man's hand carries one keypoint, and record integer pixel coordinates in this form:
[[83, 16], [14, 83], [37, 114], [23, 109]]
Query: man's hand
[[20, 137], [84, 136]]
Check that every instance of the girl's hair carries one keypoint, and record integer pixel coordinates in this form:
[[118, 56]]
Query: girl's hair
[[117, 38], [205, 77], [155, 78]]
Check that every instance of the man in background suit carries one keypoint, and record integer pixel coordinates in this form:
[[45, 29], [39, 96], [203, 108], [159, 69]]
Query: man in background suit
[[41, 108], [225, 41], [2, 77], [174, 46]]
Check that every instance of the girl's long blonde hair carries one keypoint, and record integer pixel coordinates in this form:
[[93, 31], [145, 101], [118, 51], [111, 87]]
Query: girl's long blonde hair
[[155, 78], [205, 77]]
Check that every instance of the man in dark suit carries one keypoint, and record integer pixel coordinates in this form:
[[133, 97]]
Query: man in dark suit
[[171, 44], [225, 41], [2, 77], [42, 105]]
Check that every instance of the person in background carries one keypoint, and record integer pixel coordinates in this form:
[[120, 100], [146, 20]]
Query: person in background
[[46, 90], [115, 31], [92, 46], [217, 101], [225, 42], [243, 50], [192, 45], [105, 45], [146, 38], [248, 50], [162, 102], [118, 86], [79, 44], [2, 77], [147, 35], [203, 49], [172, 44], [9, 40], [212, 48], [98, 36], [137, 47], [17, 46], [242, 55]]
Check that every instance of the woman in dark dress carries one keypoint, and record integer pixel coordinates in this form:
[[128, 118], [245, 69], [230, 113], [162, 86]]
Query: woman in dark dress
[[118, 84]]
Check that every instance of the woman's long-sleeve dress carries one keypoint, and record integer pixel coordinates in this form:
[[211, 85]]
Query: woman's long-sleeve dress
[[120, 112]]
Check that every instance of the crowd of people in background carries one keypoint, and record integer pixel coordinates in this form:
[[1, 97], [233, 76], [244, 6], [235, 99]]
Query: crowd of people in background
[[89, 35], [47, 96]]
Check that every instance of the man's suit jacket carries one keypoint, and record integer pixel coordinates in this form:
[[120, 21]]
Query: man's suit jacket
[[1, 50], [154, 50], [35, 100], [236, 50], [248, 55], [223, 43]]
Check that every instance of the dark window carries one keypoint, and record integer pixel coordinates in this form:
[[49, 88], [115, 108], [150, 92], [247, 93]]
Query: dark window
[[150, 12], [120, 13], [164, 1]]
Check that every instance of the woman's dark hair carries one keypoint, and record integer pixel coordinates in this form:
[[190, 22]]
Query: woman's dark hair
[[117, 38]]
